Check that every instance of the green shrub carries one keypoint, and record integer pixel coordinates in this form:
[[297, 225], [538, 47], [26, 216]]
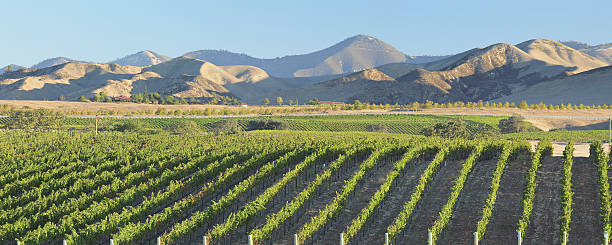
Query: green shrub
[[228, 126], [266, 124]]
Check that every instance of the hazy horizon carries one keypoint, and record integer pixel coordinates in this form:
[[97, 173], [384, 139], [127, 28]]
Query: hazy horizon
[[105, 31]]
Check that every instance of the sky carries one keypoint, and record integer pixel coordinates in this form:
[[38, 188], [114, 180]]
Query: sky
[[102, 31]]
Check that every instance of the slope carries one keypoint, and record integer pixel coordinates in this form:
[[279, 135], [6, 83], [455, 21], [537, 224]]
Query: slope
[[352, 54], [591, 87], [142, 58]]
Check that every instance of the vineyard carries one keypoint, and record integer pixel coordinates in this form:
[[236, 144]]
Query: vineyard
[[282, 187]]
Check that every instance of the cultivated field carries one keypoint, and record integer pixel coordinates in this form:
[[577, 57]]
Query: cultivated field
[[175, 189]]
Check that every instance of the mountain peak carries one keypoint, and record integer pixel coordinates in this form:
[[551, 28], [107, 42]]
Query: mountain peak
[[52, 62], [142, 58]]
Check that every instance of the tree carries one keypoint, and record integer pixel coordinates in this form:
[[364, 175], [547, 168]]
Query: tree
[[37, 119], [452, 129], [61, 97], [376, 128], [513, 124], [266, 101], [266, 124], [128, 125], [314, 101], [523, 105], [290, 102], [228, 126], [82, 98], [279, 100], [185, 127]]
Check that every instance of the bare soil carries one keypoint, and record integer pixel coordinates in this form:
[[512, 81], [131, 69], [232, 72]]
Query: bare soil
[[434, 198], [374, 229], [359, 199], [468, 209], [586, 224], [508, 205], [544, 226]]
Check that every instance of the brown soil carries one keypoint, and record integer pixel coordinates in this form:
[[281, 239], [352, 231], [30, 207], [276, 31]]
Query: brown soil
[[508, 205], [468, 209], [324, 194], [287, 194], [434, 198], [585, 223], [358, 200], [544, 226], [373, 232]]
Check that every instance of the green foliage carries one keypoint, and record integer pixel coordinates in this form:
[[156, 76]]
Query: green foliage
[[186, 127], [227, 126], [544, 148], [35, 119], [450, 130], [513, 124], [266, 124], [379, 127], [601, 159], [567, 194], [128, 126]]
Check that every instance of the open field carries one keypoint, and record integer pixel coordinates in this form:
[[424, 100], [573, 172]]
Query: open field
[[133, 189]]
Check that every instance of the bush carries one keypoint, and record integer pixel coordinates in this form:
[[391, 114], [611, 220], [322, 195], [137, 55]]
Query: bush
[[228, 126], [128, 126], [451, 129], [382, 128], [185, 127], [266, 124], [513, 124], [37, 119]]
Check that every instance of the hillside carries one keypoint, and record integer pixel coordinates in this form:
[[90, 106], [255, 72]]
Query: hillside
[[353, 54], [602, 52], [53, 62], [142, 58], [478, 74], [591, 87], [11, 67], [181, 77]]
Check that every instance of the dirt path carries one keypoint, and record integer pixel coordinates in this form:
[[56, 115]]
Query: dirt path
[[434, 198], [586, 223], [399, 193], [468, 209], [358, 200], [544, 226], [508, 206]]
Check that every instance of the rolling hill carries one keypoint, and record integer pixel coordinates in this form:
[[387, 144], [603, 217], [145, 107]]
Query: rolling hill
[[352, 54], [591, 87], [602, 52], [478, 74], [181, 77], [142, 58]]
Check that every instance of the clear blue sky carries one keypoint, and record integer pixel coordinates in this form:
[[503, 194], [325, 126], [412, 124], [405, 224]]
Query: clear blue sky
[[102, 31]]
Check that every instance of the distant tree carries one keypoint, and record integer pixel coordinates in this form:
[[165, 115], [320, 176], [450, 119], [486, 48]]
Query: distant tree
[[523, 105], [376, 128], [266, 124], [266, 101], [513, 124], [36, 119], [290, 102], [82, 98], [452, 129], [9, 68], [128, 125], [279, 100], [314, 101], [228, 126], [61, 97], [185, 127]]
